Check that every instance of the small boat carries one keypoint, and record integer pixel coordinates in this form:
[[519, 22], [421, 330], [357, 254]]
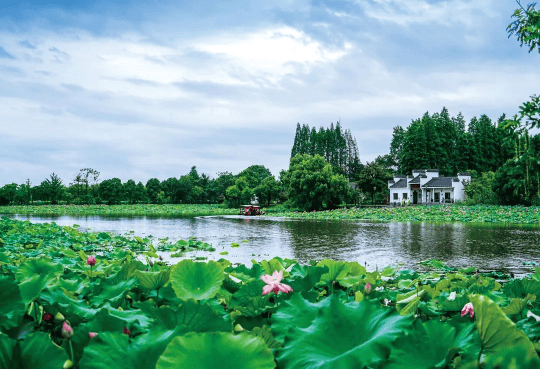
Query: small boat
[[250, 210]]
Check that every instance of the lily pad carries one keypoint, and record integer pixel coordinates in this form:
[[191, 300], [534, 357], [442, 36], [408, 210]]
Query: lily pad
[[216, 350], [196, 280]]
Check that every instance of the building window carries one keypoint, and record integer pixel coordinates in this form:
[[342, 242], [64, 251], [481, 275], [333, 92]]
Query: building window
[[448, 196], [395, 196], [404, 195]]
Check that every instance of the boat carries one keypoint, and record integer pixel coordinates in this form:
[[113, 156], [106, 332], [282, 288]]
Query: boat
[[250, 210]]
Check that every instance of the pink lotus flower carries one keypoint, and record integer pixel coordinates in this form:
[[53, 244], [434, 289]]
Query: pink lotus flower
[[91, 260], [367, 288], [67, 331], [467, 309], [273, 283], [92, 334]]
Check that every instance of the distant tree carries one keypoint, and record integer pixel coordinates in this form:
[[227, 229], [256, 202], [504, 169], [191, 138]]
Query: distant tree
[[53, 188], [232, 194], [254, 175], [111, 191], [480, 190], [268, 190], [140, 193], [171, 190], [313, 184], [373, 178], [130, 191], [8, 193], [153, 188], [89, 178]]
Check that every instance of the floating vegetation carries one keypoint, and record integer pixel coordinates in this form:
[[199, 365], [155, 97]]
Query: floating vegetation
[[432, 213], [83, 300]]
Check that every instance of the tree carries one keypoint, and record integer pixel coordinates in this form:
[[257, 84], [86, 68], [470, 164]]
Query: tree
[[313, 184], [526, 26], [130, 191], [374, 177], [480, 190], [53, 188], [268, 190], [89, 177], [111, 191], [153, 188], [8, 193]]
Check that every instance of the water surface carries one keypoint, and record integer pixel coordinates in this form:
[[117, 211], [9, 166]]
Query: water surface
[[486, 246]]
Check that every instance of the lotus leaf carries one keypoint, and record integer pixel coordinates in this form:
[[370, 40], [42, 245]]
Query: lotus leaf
[[432, 345], [6, 350], [333, 334], [196, 280], [516, 306], [198, 317], [497, 332], [249, 300], [37, 351], [153, 280], [216, 350], [12, 307], [337, 270]]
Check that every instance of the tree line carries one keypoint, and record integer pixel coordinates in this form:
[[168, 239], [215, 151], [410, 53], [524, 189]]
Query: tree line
[[191, 188]]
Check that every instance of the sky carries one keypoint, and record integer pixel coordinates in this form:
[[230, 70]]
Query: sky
[[143, 89]]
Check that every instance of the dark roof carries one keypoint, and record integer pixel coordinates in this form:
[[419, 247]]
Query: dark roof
[[464, 174], [397, 176], [440, 182], [400, 184], [455, 179], [424, 170], [417, 179]]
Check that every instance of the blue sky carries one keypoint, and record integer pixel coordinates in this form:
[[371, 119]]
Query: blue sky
[[141, 89]]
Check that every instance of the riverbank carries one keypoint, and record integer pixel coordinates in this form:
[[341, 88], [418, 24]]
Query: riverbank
[[431, 213], [148, 210]]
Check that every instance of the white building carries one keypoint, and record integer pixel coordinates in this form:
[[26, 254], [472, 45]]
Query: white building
[[426, 186]]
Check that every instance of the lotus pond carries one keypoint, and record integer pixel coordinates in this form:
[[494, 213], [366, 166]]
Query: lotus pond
[[86, 300], [433, 213]]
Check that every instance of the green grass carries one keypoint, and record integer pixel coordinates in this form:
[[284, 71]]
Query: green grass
[[435, 213]]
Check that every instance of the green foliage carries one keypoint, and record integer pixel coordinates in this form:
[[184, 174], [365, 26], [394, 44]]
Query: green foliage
[[480, 190], [312, 183], [196, 280], [526, 26], [216, 350], [326, 321]]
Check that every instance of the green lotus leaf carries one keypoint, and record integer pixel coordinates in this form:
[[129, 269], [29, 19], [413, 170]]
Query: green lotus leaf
[[164, 315], [311, 277], [248, 299], [433, 345], [129, 268], [497, 332], [6, 350], [111, 290], [113, 350], [271, 265], [266, 334], [530, 326], [337, 270], [516, 306], [198, 317], [216, 350], [405, 283], [42, 266], [521, 287], [12, 307], [355, 269], [333, 334], [153, 280], [39, 352], [452, 305], [196, 280], [75, 310], [31, 287]]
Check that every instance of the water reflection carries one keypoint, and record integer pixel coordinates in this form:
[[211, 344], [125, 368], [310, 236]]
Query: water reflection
[[489, 247]]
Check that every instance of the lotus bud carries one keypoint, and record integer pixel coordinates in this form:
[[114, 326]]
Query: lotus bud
[[59, 317], [67, 331], [238, 328], [91, 260], [126, 331], [47, 317], [367, 289], [68, 364], [92, 334]]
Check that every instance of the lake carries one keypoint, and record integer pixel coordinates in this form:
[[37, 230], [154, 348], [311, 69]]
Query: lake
[[486, 246]]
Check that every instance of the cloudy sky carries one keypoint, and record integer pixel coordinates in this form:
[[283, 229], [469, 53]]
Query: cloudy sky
[[141, 89]]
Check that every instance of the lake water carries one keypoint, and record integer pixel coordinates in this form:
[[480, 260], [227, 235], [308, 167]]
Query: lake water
[[488, 247]]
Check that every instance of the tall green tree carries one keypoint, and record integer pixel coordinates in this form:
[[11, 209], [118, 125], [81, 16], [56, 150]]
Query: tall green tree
[[111, 191], [53, 188], [153, 187], [312, 183]]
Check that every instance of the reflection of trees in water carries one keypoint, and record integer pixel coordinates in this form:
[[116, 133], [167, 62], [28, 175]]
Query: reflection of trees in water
[[316, 240]]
